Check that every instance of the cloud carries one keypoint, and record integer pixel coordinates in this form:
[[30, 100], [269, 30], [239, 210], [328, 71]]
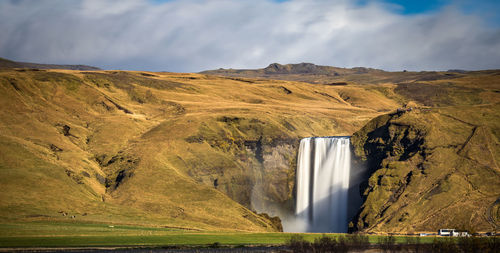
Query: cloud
[[195, 35]]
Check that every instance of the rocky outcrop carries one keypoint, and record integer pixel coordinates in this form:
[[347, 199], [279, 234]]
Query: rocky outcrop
[[428, 170]]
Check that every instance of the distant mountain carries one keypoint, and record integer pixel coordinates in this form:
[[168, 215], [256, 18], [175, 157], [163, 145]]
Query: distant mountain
[[8, 64], [313, 69], [317, 74], [296, 69]]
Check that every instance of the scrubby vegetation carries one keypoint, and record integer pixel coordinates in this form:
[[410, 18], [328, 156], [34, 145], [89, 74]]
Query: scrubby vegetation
[[356, 243], [326, 243]]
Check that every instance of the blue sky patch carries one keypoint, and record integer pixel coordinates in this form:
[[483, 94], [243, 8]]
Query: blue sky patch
[[418, 6]]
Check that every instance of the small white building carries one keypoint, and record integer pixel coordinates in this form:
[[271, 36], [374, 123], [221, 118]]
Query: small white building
[[447, 232]]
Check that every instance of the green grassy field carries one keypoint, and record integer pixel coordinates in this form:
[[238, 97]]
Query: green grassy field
[[49, 234]]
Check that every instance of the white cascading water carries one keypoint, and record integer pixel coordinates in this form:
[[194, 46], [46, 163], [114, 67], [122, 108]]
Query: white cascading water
[[323, 171]]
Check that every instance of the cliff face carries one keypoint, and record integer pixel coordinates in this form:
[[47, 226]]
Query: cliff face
[[430, 169], [256, 161]]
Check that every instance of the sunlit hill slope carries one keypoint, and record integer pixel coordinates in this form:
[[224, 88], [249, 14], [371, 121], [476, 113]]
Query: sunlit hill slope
[[204, 152]]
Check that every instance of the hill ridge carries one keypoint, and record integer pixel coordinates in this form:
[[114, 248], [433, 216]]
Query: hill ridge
[[7, 64]]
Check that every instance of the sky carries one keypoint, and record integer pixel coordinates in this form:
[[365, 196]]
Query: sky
[[197, 35]]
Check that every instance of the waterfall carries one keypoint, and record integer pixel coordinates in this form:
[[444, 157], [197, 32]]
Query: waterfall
[[323, 173]]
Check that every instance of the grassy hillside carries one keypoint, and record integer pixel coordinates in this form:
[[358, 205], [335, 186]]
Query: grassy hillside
[[202, 152], [162, 149]]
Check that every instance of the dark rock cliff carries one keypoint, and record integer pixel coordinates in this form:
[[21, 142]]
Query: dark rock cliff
[[251, 161]]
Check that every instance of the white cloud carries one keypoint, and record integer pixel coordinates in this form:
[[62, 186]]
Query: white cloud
[[194, 35]]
